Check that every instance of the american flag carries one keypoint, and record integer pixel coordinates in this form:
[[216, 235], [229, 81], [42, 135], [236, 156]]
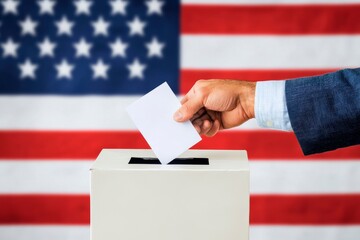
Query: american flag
[[69, 69]]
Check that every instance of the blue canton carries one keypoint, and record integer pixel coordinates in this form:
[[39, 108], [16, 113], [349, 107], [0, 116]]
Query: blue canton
[[88, 47]]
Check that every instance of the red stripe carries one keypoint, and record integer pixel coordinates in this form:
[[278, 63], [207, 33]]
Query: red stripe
[[305, 209], [88, 144], [190, 76], [270, 19], [265, 209], [44, 209]]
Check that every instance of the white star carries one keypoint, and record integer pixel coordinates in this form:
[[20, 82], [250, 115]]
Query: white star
[[118, 48], [47, 48], [28, 26], [83, 7], [100, 69], [100, 27], [136, 69], [64, 26], [46, 6], [28, 69], [10, 6], [154, 7], [155, 48], [64, 69], [82, 48], [118, 6], [10, 48], [136, 27]]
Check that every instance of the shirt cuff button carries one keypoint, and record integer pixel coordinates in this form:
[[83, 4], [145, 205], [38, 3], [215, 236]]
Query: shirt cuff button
[[269, 123]]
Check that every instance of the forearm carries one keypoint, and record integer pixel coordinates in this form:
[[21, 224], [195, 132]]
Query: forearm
[[325, 110]]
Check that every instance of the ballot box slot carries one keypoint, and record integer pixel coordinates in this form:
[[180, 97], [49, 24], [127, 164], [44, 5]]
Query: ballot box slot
[[176, 161], [189, 161], [139, 160]]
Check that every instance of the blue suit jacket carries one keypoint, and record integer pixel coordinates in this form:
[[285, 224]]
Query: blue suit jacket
[[324, 110]]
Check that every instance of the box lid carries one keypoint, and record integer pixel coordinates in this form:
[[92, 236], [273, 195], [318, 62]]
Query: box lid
[[225, 160]]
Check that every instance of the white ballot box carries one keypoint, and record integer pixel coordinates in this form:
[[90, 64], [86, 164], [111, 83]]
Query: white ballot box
[[202, 195]]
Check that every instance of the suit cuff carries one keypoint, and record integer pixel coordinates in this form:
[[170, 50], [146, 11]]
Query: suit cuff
[[270, 105]]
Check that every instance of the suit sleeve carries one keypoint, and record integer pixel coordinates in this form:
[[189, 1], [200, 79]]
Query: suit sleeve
[[324, 111]]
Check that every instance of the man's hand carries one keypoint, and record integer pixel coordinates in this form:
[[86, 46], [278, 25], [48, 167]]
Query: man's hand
[[213, 105]]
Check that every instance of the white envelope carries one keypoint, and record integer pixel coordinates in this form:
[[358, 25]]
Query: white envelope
[[153, 115]]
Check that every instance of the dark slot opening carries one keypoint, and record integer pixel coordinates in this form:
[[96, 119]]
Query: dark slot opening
[[190, 161], [138, 160], [176, 161]]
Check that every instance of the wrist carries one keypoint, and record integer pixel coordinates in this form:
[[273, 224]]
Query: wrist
[[270, 105], [247, 98]]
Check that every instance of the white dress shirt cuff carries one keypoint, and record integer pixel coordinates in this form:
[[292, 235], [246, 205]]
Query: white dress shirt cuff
[[270, 105]]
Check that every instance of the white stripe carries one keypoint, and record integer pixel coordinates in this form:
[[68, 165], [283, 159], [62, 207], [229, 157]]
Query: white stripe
[[251, 2], [69, 113], [305, 176], [65, 112], [269, 52], [36, 232], [267, 177], [304, 232], [45, 176]]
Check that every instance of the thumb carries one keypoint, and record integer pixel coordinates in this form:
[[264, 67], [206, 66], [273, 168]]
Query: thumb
[[188, 109]]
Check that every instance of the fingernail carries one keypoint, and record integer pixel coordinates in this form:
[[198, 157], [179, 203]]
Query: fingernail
[[178, 116]]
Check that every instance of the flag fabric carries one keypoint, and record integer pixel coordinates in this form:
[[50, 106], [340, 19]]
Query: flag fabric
[[84, 47], [69, 68]]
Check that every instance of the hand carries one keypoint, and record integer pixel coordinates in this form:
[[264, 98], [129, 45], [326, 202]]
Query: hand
[[213, 105]]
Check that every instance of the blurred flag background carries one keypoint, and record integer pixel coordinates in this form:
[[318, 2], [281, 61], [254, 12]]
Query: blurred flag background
[[69, 68]]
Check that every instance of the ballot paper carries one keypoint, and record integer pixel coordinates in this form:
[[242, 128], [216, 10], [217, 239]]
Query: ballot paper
[[153, 116]]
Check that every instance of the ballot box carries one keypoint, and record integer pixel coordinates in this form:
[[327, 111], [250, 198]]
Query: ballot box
[[202, 195]]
